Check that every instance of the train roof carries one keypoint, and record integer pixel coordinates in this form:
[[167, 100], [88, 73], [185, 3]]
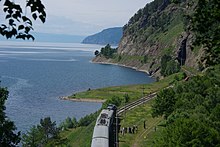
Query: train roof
[[100, 136], [104, 117], [100, 142], [101, 131]]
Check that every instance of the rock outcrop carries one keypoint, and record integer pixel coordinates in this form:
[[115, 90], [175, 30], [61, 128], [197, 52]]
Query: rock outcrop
[[157, 29]]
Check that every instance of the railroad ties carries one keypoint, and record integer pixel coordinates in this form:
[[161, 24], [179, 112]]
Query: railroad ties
[[136, 103]]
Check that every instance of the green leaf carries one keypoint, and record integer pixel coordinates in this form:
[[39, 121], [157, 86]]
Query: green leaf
[[27, 29], [25, 19], [5, 9], [4, 26], [33, 9], [8, 3], [7, 16], [42, 18], [20, 27], [20, 36], [11, 22], [34, 15], [14, 31], [30, 36]]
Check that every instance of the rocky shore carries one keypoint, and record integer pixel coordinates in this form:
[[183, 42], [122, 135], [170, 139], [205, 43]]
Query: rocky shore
[[101, 60]]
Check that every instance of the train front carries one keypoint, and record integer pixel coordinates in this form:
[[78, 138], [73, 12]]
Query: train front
[[102, 129]]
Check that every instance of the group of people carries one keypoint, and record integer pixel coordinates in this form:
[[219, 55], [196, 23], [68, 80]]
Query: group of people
[[130, 130]]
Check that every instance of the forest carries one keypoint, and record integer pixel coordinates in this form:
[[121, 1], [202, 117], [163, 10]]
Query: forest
[[191, 110]]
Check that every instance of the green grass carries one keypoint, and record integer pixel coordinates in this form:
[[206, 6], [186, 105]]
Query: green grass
[[127, 58], [169, 36], [134, 91], [137, 117], [190, 70], [79, 137]]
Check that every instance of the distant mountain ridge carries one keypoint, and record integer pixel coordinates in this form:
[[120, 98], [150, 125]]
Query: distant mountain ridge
[[107, 36], [57, 38]]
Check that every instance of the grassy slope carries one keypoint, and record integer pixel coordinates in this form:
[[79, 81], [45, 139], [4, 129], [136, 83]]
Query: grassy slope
[[137, 117], [79, 137], [82, 136], [134, 91]]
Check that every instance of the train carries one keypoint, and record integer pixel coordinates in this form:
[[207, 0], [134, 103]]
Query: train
[[105, 128]]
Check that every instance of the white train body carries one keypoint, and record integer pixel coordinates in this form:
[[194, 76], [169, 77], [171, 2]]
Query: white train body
[[103, 129]]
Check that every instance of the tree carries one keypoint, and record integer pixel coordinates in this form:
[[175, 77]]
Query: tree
[[206, 26], [75, 123], [192, 111], [126, 98], [8, 138], [96, 53], [169, 66], [164, 103], [17, 24], [88, 119], [41, 134], [107, 51], [33, 138], [69, 122], [48, 128], [119, 58]]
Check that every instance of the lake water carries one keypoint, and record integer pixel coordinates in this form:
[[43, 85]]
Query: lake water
[[37, 74]]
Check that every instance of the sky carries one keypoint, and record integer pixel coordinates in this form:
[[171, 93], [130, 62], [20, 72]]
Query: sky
[[86, 17]]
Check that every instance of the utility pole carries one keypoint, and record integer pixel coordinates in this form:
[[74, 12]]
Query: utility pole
[[143, 91], [124, 109], [116, 133]]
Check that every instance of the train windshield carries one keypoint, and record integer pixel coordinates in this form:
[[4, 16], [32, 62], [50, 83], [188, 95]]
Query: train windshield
[[104, 115]]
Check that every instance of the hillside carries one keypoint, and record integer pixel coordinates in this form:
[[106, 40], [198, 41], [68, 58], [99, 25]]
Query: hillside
[[108, 36], [158, 29]]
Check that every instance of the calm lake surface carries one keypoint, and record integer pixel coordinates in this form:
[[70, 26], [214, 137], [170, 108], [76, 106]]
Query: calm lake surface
[[37, 74]]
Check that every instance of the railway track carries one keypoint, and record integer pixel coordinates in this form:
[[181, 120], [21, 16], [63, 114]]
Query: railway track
[[136, 103], [129, 107]]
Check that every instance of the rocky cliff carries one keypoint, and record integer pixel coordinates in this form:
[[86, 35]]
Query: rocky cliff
[[160, 28]]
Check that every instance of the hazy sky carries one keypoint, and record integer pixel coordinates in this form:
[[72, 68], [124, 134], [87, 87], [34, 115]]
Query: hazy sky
[[84, 17]]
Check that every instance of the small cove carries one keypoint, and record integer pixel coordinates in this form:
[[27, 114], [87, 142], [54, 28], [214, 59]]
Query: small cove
[[38, 74]]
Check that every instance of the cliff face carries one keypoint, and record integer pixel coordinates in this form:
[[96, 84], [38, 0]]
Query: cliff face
[[156, 30]]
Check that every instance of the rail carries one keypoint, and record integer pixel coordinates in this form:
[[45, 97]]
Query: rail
[[136, 103]]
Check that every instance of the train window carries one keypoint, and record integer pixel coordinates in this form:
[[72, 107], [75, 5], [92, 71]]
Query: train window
[[104, 115], [111, 107], [102, 121]]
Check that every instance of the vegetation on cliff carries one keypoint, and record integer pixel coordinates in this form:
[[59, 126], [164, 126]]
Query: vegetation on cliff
[[206, 26], [106, 51], [156, 30], [174, 28]]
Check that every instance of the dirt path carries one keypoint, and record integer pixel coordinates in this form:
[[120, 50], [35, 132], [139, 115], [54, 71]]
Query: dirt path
[[144, 132]]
